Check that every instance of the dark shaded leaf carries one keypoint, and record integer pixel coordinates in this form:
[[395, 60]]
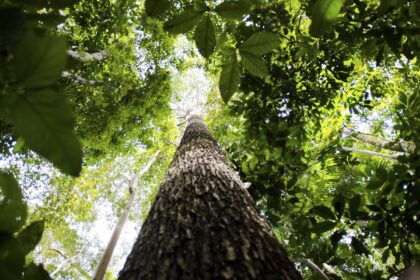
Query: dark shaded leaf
[[205, 37], [12, 258], [358, 246], [323, 226], [35, 272], [229, 78], [12, 207], [12, 22], [44, 120], [260, 43], [155, 8], [31, 235], [233, 9], [42, 66], [184, 22], [323, 212], [253, 64]]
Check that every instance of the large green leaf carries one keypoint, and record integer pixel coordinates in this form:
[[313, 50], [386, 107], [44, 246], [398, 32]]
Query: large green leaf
[[35, 272], [229, 78], [260, 43], [155, 8], [233, 9], [12, 258], [323, 226], [31, 235], [205, 37], [324, 15], [12, 207], [43, 119], [253, 64], [184, 22], [12, 21], [39, 59], [323, 212]]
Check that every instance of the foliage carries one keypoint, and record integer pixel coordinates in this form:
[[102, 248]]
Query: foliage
[[292, 75]]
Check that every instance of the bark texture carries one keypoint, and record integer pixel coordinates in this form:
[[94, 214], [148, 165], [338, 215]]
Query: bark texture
[[204, 224]]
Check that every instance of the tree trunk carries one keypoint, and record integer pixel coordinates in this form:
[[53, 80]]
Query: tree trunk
[[78, 79], [366, 152], [203, 224], [103, 264]]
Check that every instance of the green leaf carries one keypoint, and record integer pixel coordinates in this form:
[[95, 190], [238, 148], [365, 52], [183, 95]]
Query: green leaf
[[43, 64], [155, 8], [12, 22], [323, 227], [232, 10], [374, 184], [51, 20], [205, 37], [253, 64], [229, 78], [354, 205], [58, 4], [35, 272], [358, 246], [324, 15], [323, 212], [45, 122], [184, 22], [31, 235], [12, 207], [12, 258], [260, 43]]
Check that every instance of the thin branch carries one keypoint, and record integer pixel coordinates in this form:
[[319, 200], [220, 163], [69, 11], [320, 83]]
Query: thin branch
[[78, 79], [408, 147], [88, 57], [312, 265], [366, 152]]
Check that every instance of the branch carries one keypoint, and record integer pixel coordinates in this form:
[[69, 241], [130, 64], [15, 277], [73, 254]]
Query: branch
[[88, 57], [366, 152], [407, 147], [312, 265], [78, 79]]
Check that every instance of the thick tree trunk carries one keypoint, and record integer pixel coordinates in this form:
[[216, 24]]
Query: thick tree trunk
[[204, 224]]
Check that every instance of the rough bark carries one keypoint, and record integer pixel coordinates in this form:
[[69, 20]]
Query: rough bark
[[203, 224], [103, 264], [88, 57], [399, 146]]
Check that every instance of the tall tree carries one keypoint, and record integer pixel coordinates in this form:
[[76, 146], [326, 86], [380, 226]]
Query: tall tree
[[203, 223]]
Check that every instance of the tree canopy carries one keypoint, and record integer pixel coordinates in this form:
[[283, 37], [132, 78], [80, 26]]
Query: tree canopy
[[315, 103]]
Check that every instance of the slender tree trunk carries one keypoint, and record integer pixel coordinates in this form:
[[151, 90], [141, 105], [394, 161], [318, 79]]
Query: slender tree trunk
[[103, 265], [399, 146], [203, 223], [87, 57]]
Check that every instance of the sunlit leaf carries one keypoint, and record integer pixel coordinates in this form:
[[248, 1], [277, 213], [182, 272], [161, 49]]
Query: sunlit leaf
[[324, 15]]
